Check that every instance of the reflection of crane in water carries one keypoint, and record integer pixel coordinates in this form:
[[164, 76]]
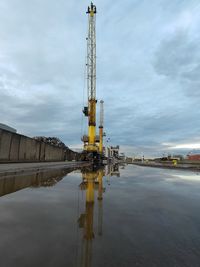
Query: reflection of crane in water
[[101, 190], [92, 180]]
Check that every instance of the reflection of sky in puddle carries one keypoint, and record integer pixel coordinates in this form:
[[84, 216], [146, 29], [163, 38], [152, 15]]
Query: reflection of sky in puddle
[[84, 218], [188, 176]]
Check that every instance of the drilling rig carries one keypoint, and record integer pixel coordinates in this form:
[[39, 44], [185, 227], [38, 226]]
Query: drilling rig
[[91, 147]]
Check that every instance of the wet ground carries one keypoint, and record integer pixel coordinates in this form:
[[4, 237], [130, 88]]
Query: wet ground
[[140, 217]]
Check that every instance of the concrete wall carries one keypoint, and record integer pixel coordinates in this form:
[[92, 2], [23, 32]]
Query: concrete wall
[[19, 148]]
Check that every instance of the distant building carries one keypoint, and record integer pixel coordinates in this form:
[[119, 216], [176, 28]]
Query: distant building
[[129, 160], [193, 157], [178, 157], [122, 156], [113, 152], [7, 128]]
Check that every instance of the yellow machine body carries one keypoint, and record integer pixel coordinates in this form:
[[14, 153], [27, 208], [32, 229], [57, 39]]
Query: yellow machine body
[[91, 146]]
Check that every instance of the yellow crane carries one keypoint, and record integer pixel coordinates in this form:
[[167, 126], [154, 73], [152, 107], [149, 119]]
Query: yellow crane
[[90, 141]]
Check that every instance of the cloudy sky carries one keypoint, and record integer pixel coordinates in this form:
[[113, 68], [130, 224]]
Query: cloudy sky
[[148, 71]]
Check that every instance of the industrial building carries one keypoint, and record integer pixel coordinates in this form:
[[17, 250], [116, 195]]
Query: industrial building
[[193, 157], [113, 152]]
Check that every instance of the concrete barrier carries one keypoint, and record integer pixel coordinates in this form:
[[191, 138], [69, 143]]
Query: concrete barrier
[[19, 148], [14, 147], [5, 141], [52, 153], [42, 151]]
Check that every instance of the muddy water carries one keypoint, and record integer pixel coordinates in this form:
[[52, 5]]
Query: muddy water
[[132, 216]]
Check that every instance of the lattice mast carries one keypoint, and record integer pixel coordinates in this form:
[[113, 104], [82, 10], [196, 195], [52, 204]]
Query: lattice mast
[[90, 111]]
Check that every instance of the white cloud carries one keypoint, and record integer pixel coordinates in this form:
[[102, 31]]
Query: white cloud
[[188, 146]]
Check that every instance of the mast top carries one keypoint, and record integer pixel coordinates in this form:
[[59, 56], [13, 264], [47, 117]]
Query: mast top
[[91, 10]]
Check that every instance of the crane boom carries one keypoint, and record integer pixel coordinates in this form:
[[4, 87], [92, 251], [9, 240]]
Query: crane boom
[[90, 111], [91, 53]]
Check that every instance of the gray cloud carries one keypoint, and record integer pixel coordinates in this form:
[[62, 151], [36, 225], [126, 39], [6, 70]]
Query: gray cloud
[[176, 56], [42, 55], [178, 59]]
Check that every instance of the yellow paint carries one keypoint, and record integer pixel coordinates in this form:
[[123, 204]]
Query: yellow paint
[[91, 134], [90, 191], [89, 233], [92, 126], [92, 112], [100, 188], [90, 177], [91, 148]]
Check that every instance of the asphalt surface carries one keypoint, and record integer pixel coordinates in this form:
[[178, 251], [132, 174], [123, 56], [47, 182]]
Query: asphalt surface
[[148, 217]]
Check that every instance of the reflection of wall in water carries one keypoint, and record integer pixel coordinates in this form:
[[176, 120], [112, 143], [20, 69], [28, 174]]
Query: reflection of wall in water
[[12, 184], [113, 170]]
